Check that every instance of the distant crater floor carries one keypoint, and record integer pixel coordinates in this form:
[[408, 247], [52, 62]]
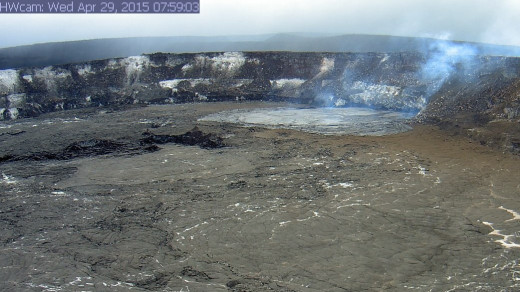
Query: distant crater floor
[[336, 121], [154, 199]]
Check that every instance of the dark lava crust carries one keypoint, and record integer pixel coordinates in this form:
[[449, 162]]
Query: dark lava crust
[[95, 147]]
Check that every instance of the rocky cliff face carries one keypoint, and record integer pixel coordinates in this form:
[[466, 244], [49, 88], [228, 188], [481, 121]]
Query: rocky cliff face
[[436, 85]]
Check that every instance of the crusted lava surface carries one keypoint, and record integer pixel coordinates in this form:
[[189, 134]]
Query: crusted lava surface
[[274, 210]]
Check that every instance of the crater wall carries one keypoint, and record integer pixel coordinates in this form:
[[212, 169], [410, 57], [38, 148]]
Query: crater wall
[[437, 85]]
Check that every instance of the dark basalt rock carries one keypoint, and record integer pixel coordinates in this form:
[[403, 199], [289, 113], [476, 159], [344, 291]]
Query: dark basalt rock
[[13, 133], [97, 147], [93, 147], [195, 137], [232, 283], [192, 273]]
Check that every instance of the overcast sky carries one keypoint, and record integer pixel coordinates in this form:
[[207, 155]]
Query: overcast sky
[[491, 21]]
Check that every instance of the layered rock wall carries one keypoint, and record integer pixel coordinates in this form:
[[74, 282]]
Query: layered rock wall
[[435, 85]]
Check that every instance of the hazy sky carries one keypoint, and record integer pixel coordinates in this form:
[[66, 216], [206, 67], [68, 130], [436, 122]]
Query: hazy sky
[[492, 21]]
